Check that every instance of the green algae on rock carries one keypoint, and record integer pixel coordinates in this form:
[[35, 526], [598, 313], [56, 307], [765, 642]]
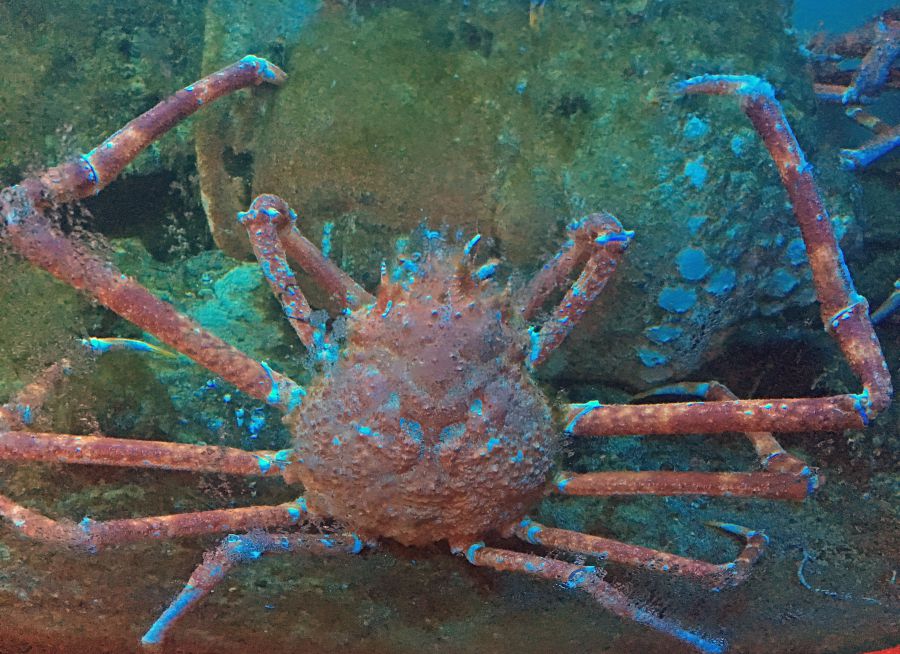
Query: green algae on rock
[[460, 115]]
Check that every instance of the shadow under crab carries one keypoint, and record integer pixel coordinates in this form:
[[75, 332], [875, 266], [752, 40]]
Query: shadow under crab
[[427, 428]]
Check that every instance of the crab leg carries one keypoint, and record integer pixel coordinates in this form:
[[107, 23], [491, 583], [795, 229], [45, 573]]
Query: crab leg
[[889, 306], [867, 120], [849, 45], [844, 312], [719, 574], [771, 455], [339, 285], [875, 67], [271, 228], [772, 485], [264, 219], [126, 452], [21, 409], [239, 549], [871, 150], [95, 170], [832, 87], [32, 234], [596, 243], [587, 579], [91, 535]]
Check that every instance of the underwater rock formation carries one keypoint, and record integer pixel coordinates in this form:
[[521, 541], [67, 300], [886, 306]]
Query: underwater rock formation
[[514, 131]]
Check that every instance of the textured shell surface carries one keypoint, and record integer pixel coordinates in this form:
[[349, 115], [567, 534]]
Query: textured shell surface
[[428, 426]]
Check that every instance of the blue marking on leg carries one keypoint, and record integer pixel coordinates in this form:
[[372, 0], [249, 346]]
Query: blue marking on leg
[[531, 531], [534, 336], [467, 250], [473, 549], [486, 271], [587, 408], [175, 610], [863, 405], [581, 576]]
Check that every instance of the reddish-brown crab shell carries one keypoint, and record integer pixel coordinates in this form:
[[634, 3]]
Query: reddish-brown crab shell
[[428, 427]]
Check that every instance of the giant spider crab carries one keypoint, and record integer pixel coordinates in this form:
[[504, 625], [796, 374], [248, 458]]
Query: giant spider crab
[[427, 428]]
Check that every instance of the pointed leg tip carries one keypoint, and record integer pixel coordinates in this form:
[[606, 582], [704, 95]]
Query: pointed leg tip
[[737, 530]]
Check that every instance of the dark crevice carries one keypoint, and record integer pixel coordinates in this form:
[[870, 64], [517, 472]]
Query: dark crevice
[[155, 208]]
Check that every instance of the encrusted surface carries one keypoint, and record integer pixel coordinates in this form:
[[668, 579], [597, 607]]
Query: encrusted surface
[[427, 428]]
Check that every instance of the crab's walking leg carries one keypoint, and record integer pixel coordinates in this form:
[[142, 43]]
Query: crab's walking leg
[[32, 234], [21, 409], [96, 169], [844, 312], [270, 224], [717, 574], [769, 452], [238, 549], [771, 485], [339, 285], [587, 579], [866, 119], [92, 535], [871, 150], [267, 215], [889, 306], [126, 452], [596, 243], [875, 67], [886, 139]]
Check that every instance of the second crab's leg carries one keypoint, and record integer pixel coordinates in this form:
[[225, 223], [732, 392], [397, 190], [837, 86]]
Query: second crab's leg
[[889, 306], [28, 229], [234, 550], [875, 67], [844, 312], [596, 243], [21, 409], [91, 535], [886, 139], [872, 150], [587, 579], [717, 574]]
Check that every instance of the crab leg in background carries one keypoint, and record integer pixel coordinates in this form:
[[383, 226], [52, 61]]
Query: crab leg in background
[[21, 409], [845, 313], [875, 68], [27, 228], [888, 307]]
